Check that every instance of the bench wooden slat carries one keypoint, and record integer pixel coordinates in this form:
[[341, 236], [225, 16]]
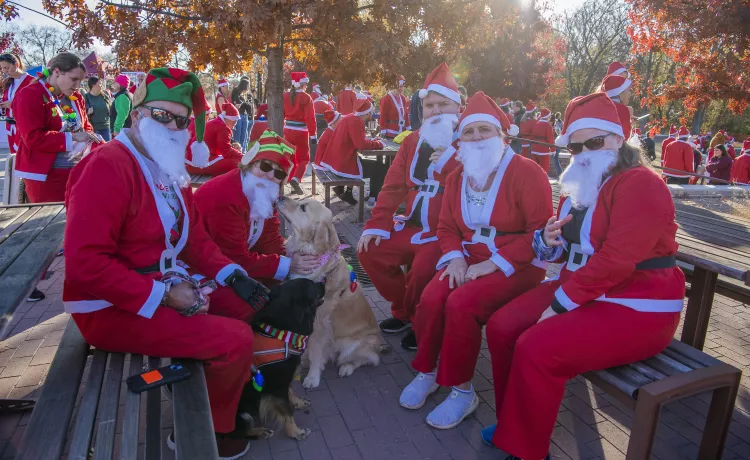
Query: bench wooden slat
[[685, 361], [153, 417], [129, 441], [108, 405], [651, 373], [20, 239], [666, 365], [45, 434], [192, 415], [84, 425], [13, 219]]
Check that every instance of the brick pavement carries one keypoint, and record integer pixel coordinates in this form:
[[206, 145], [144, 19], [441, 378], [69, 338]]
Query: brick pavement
[[359, 417]]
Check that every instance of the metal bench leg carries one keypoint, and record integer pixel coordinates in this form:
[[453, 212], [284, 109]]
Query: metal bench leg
[[718, 420], [327, 195], [645, 421], [361, 202], [699, 305], [313, 182]]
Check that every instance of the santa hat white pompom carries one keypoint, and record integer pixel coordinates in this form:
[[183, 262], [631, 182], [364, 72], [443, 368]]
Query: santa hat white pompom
[[200, 154], [422, 93], [248, 157], [513, 130]]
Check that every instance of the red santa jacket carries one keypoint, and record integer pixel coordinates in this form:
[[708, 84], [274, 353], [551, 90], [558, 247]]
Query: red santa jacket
[[664, 145], [342, 157], [543, 132], [347, 100], [259, 127], [256, 245], [525, 131], [623, 112], [394, 115], [518, 204], [117, 223], [38, 130], [323, 142], [321, 105], [730, 150], [218, 138], [679, 156], [619, 232], [300, 116], [8, 95], [741, 169], [423, 196]]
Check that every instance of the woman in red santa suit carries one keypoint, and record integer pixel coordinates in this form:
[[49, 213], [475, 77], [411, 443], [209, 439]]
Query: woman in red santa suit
[[15, 79], [238, 211], [261, 123], [224, 156], [332, 118], [618, 297], [492, 206], [51, 123], [222, 96], [299, 126]]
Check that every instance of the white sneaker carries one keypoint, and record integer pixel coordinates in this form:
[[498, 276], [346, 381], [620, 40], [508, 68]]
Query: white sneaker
[[415, 394]]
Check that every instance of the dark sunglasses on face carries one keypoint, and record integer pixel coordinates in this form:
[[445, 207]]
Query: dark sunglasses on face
[[266, 167], [595, 143], [165, 117]]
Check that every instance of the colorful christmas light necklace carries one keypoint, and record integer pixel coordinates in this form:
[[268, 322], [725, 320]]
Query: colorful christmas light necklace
[[68, 114]]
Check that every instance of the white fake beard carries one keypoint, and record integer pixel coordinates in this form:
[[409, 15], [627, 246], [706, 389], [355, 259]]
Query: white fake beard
[[262, 193], [166, 148], [438, 130], [582, 179], [481, 158]]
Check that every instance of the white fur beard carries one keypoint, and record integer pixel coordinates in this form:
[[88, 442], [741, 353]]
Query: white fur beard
[[438, 130], [582, 179], [262, 194], [481, 158], [166, 148]]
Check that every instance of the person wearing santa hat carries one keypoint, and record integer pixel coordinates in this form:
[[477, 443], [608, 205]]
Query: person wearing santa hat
[[617, 68], [299, 127], [526, 127], [238, 212], [617, 299], [12, 66], [321, 104], [132, 229], [332, 119], [347, 100], [341, 153], [493, 204], [741, 166], [730, 147], [416, 177], [504, 105], [222, 95], [665, 143], [261, 123], [678, 157], [394, 110], [543, 132], [223, 156], [617, 88]]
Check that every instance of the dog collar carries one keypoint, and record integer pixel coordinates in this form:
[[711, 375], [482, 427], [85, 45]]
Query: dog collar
[[297, 341], [327, 256]]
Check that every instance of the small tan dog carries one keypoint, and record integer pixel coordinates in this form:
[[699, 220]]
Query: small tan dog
[[345, 327]]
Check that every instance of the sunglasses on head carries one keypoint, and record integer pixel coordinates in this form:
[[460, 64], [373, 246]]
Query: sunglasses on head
[[595, 143], [266, 166], [165, 117]]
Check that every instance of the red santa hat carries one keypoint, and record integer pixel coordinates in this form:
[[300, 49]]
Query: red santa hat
[[316, 89], [530, 107], [504, 102], [614, 85], [544, 114], [272, 147], [595, 110], [637, 131], [481, 107], [299, 78], [364, 106], [222, 82], [441, 81], [616, 68], [746, 146], [673, 131], [262, 111], [683, 133], [229, 112], [400, 81], [331, 116]]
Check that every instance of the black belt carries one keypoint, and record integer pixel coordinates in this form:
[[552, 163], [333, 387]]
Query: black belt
[[657, 263], [428, 188], [150, 269]]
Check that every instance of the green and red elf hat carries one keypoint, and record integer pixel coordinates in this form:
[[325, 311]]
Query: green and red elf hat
[[271, 147], [182, 87]]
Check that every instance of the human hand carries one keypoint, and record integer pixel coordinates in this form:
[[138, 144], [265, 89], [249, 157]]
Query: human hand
[[456, 272], [303, 264], [90, 110], [82, 136], [554, 229], [548, 313], [435, 157], [364, 242], [481, 269], [5, 105], [182, 296]]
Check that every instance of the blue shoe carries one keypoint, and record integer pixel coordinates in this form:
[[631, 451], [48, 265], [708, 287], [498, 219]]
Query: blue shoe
[[457, 406], [487, 433]]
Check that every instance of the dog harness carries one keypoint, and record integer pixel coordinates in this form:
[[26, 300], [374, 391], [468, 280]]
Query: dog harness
[[272, 345]]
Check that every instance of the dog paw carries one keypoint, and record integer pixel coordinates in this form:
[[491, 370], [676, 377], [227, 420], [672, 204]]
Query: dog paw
[[265, 433], [346, 370], [302, 433], [311, 381], [301, 404]]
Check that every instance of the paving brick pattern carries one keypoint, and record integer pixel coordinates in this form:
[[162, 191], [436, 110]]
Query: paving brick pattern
[[359, 417]]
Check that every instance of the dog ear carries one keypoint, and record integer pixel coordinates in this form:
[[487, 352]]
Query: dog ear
[[325, 238]]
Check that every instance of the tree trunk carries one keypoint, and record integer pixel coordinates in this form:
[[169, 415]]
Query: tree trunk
[[275, 90], [698, 119]]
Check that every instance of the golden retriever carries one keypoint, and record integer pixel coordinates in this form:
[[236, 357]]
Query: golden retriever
[[345, 326]]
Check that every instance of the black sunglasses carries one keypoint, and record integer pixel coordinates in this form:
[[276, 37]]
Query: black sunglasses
[[165, 117], [277, 173], [595, 143]]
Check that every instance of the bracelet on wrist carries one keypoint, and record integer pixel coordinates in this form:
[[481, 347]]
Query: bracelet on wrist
[[165, 297]]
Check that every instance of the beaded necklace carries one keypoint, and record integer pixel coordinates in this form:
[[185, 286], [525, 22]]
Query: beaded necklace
[[69, 114]]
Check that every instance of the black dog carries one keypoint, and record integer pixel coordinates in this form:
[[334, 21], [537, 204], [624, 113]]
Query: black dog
[[289, 314]]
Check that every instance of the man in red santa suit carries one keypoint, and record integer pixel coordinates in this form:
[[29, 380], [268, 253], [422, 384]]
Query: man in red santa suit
[[618, 297], [224, 157], [238, 211], [670, 138], [417, 178], [543, 132], [526, 128], [394, 110], [678, 157], [261, 123], [332, 118], [617, 89], [741, 166], [341, 154], [131, 232], [347, 100], [299, 127], [492, 206], [321, 105], [617, 68]]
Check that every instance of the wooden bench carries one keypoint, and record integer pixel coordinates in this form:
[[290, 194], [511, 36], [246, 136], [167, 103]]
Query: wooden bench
[[196, 180], [329, 179], [678, 372], [52, 423]]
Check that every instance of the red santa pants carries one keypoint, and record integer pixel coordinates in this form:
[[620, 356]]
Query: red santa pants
[[383, 266], [222, 339], [541, 160], [301, 142], [222, 166], [50, 190], [531, 362], [449, 321]]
